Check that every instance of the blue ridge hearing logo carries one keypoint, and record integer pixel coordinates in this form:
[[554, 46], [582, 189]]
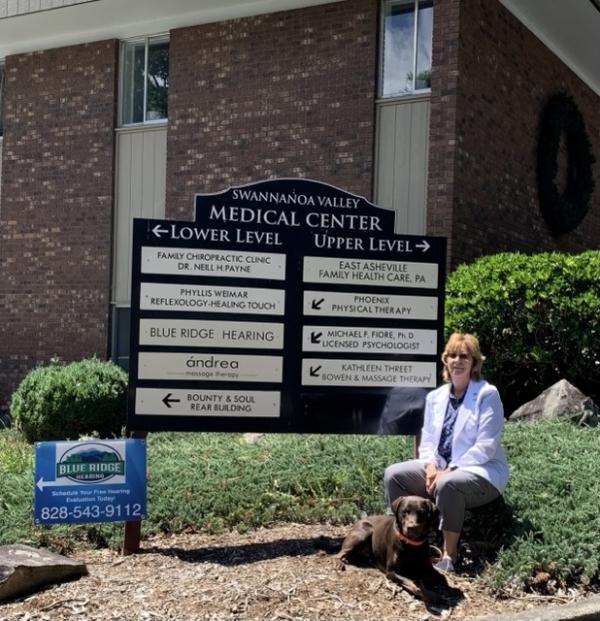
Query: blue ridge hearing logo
[[90, 463]]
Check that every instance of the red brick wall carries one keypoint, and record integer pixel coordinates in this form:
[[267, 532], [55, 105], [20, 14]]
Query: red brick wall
[[1, 141], [505, 75], [442, 124], [57, 198], [286, 94]]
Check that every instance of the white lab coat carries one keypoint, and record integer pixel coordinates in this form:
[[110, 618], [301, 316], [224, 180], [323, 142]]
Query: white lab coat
[[476, 436]]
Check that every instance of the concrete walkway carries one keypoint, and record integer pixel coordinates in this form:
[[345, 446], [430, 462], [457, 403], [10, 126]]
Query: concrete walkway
[[587, 609]]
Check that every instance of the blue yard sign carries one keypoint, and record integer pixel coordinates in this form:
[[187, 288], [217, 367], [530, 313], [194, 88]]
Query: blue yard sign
[[90, 481]]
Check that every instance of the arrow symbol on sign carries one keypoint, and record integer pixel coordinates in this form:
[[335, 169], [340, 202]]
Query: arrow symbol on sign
[[41, 484], [315, 372], [424, 246], [316, 304], [315, 337], [158, 231], [167, 400]]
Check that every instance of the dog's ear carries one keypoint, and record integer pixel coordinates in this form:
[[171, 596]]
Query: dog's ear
[[396, 504], [434, 514]]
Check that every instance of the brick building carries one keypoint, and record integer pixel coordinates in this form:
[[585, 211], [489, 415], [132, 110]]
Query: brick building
[[111, 110]]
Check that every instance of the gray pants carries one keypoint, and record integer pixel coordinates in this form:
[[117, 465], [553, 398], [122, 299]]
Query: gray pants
[[456, 491]]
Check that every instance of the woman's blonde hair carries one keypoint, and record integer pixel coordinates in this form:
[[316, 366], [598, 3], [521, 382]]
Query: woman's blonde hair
[[459, 341]]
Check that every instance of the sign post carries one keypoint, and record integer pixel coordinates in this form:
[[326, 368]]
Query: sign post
[[286, 306]]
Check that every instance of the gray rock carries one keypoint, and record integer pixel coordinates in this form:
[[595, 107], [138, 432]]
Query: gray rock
[[254, 438], [24, 569], [561, 399]]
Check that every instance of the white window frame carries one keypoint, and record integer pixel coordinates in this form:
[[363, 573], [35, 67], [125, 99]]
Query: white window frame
[[413, 91], [155, 38]]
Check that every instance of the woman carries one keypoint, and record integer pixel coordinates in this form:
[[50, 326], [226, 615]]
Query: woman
[[461, 463]]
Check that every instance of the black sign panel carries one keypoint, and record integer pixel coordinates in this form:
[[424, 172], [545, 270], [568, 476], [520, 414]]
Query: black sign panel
[[287, 305]]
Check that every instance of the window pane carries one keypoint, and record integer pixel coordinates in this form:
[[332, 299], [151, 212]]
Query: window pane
[[424, 39], [398, 40], [158, 81], [132, 107]]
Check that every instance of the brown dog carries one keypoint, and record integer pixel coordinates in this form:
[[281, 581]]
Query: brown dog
[[398, 546]]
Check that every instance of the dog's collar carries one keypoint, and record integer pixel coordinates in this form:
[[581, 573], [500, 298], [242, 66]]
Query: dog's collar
[[405, 539]]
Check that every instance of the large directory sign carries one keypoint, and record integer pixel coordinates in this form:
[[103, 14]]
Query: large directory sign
[[286, 305]]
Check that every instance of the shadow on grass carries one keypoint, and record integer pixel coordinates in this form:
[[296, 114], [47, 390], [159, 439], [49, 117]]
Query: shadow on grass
[[486, 531], [248, 553]]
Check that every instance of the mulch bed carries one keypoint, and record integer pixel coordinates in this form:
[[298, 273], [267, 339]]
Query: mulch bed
[[284, 572]]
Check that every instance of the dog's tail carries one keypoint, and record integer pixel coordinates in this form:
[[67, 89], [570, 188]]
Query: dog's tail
[[330, 545]]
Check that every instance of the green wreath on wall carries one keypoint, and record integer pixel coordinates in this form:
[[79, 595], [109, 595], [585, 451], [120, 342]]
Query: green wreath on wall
[[564, 211]]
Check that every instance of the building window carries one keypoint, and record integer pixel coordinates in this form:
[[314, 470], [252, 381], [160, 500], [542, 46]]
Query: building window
[[2, 82], [407, 31], [144, 84]]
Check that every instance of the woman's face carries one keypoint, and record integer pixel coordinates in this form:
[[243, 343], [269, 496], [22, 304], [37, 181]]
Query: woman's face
[[459, 364]]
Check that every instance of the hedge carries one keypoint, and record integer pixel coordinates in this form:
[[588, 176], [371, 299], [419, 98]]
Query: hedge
[[61, 401], [537, 318]]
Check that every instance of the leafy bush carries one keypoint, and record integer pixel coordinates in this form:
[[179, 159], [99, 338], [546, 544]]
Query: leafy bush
[[553, 493], [537, 318], [64, 401]]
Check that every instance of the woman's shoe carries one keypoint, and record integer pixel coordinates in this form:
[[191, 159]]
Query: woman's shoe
[[445, 564]]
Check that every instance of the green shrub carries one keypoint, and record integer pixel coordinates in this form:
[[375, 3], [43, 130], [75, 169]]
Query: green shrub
[[537, 318], [553, 492], [64, 401]]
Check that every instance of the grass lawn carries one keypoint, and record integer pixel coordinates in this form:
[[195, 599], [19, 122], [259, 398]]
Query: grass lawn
[[548, 525]]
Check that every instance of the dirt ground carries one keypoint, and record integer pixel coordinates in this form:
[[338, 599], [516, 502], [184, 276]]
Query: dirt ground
[[281, 572]]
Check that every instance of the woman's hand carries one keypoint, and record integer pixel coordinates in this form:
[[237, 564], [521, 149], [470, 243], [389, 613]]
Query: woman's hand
[[432, 477]]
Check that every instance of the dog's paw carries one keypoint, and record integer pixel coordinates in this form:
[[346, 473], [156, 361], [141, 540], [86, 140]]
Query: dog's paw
[[340, 565]]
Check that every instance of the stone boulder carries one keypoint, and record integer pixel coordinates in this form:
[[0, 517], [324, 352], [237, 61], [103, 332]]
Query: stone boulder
[[24, 570], [254, 438], [561, 399]]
